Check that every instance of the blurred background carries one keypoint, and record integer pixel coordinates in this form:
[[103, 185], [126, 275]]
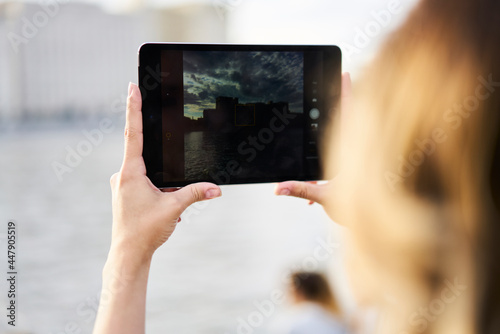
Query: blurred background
[[64, 70]]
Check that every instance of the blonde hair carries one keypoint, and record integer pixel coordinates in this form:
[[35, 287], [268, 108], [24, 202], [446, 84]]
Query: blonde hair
[[420, 170]]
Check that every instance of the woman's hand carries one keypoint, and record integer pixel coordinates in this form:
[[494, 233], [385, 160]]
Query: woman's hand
[[312, 191], [144, 218]]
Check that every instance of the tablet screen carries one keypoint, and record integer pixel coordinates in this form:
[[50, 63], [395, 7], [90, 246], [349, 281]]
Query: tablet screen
[[233, 114]]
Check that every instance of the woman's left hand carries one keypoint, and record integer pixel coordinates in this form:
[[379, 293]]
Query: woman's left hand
[[144, 217]]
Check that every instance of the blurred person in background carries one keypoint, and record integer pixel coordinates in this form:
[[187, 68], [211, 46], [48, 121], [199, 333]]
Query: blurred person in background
[[315, 309], [417, 184]]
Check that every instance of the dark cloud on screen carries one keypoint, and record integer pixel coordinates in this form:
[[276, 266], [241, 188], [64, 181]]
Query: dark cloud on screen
[[249, 76]]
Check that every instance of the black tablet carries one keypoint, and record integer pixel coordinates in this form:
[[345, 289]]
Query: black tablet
[[235, 114]]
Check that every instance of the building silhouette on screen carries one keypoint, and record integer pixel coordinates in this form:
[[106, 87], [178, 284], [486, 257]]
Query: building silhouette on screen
[[230, 114]]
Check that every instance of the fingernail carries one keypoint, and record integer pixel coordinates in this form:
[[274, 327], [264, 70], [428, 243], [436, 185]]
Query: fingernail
[[284, 192], [212, 193], [130, 88]]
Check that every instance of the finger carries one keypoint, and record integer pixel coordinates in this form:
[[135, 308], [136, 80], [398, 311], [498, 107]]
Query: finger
[[310, 191], [195, 193], [312, 182], [133, 127]]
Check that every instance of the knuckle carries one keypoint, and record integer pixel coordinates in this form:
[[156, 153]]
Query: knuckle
[[125, 175], [122, 178], [302, 192], [196, 194], [130, 133], [177, 204], [112, 179]]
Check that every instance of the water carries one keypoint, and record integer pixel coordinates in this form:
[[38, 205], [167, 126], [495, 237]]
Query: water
[[204, 149], [208, 153], [223, 257]]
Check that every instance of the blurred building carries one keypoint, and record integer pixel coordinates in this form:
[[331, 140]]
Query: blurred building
[[71, 60]]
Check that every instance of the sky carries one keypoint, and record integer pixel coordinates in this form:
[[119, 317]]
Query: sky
[[358, 27], [345, 23], [128, 5], [249, 76], [320, 9]]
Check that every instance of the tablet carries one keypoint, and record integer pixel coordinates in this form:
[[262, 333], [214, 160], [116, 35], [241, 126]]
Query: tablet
[[236, 114]]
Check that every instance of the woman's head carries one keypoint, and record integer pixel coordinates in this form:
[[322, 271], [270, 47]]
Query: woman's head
[[422, 172], [313, 287]]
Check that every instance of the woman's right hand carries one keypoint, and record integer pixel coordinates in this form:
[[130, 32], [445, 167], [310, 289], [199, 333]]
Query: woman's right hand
[[312, 191]]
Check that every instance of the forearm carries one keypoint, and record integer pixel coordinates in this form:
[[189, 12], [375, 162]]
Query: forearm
[[122, 308], [143, 219]]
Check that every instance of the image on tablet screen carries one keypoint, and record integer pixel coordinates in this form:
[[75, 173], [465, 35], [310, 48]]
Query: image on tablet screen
[[234, 102]]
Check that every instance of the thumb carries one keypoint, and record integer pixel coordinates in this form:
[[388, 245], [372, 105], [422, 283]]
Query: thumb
[[195, 193], [306, 190]]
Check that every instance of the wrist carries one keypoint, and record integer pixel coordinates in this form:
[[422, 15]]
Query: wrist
[[123, 297], [125, 260]]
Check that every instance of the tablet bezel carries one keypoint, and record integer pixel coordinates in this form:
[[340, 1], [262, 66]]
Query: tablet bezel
[[150, 82]]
